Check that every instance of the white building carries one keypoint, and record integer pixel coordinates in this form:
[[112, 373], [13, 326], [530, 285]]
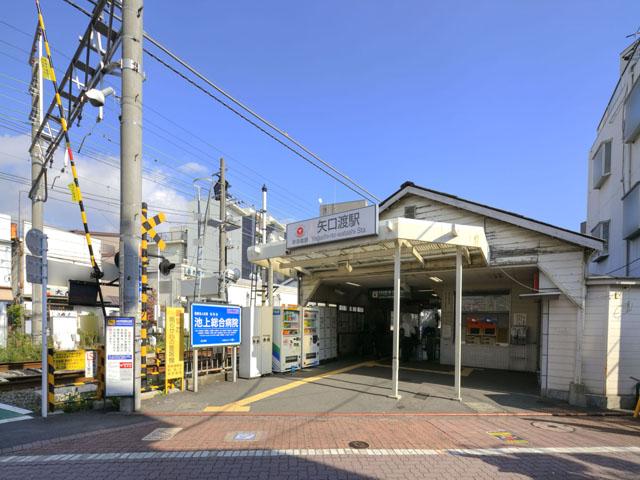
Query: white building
[[68, 259], [527, 302], [613, 206]]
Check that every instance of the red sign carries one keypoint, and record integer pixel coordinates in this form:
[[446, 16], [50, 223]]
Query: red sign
[[300, 231], [126, 365]]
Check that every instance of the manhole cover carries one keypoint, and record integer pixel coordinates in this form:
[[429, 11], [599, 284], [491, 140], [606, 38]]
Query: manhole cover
[[359, 444], [553, 427], [161, 434]]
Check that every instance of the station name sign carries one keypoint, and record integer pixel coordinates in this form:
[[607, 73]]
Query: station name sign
[[361, 222]]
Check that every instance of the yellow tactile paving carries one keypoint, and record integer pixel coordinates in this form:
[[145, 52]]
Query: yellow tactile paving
[[243, 404]]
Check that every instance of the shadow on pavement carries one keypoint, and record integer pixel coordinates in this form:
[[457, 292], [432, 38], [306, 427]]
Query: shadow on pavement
[[570, 466]]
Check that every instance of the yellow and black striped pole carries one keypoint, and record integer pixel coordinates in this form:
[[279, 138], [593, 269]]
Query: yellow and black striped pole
[[51, 381], [78, 194], [144, 314]]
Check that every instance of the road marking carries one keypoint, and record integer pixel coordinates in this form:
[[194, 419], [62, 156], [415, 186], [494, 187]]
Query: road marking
[[312, 452], [465, 372], [242, 405]]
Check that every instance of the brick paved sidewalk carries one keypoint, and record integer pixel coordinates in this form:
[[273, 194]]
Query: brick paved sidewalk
[[317, 446], [593, 465], [213, 432]]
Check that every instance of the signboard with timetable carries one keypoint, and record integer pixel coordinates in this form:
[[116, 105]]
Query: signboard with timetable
[[214, 325], [360, 222], [119, 356]]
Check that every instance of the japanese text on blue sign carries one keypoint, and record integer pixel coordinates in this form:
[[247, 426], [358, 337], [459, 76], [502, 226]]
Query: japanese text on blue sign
[[214, 325]]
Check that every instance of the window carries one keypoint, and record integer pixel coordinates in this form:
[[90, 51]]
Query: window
[[410, 211], [601, 230], [602, 164]]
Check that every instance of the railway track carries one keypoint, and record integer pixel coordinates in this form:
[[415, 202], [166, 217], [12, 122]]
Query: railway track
[[30, 365], [24, 375]]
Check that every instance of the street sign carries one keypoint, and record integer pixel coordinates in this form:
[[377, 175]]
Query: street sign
[[119, 353], [34, 269], [34, 239], [360, 222], [214, 325]]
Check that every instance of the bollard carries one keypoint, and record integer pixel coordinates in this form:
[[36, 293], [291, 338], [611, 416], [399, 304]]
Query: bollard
[[51, 381]]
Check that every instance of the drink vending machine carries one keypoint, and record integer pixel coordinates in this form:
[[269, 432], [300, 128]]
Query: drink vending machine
[[286, 352], [310, 337], [255, 349]]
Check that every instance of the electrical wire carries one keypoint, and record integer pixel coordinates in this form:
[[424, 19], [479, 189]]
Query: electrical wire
[[341, 177]]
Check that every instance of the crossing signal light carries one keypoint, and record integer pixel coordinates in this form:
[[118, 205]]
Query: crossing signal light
[[166, 266]]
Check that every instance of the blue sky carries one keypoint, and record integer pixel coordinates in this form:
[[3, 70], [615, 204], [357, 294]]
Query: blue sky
[[494, 101]]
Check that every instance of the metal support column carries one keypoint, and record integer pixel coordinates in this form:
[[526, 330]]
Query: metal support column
[[395, 365], [458, 328], [131, 178]]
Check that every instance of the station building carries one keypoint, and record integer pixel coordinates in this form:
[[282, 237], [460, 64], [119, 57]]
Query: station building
[[527, 302]]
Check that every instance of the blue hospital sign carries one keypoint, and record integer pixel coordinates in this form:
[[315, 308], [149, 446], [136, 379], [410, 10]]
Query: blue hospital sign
[[214, 325]]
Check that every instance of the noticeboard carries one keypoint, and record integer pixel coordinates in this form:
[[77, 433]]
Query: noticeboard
[[174, 350], [119, 356], [69, 360], [215, 325]]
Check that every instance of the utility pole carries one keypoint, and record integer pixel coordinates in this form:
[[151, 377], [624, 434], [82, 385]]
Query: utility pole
[[222, 262], [37, 180], [263, 240], [263, 229], [131, 179]]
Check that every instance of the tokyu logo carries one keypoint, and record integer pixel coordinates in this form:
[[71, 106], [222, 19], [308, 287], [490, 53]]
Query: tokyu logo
[[300, 231]]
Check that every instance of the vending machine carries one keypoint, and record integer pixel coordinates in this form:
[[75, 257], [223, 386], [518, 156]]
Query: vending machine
[[255, 349], [286, 351], [310, 337]]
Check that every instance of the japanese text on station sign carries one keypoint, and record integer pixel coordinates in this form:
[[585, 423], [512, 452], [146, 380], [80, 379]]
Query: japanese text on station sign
[[335, 227]]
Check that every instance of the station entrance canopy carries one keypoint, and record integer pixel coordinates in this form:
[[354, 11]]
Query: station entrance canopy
[[421, 244], [430, 244]]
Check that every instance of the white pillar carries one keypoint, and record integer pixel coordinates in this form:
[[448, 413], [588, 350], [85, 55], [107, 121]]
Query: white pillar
[[458, 320], [395, 365]]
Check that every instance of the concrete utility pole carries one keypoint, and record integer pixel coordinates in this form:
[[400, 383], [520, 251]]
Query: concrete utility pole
[[131, 178], [222, 262], [37, 199], [267, 274]]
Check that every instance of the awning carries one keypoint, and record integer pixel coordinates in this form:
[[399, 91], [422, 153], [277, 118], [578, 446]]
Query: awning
[[423, 241]]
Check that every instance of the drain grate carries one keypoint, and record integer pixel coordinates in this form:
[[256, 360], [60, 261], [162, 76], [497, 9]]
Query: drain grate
[[420, 396], [553, 427], [358, 444]]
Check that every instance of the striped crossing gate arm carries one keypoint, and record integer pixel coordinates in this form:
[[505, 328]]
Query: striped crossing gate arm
[[72, 163]]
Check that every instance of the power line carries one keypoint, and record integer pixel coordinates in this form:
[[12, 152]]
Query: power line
[[341, 177]]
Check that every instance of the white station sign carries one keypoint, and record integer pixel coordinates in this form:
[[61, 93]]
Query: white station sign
[[361, 222]]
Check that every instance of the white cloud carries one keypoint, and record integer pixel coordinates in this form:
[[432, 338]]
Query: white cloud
[[193, 168], [99, 182]]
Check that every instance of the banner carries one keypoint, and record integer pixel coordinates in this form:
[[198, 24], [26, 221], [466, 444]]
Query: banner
[[174, 343]]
